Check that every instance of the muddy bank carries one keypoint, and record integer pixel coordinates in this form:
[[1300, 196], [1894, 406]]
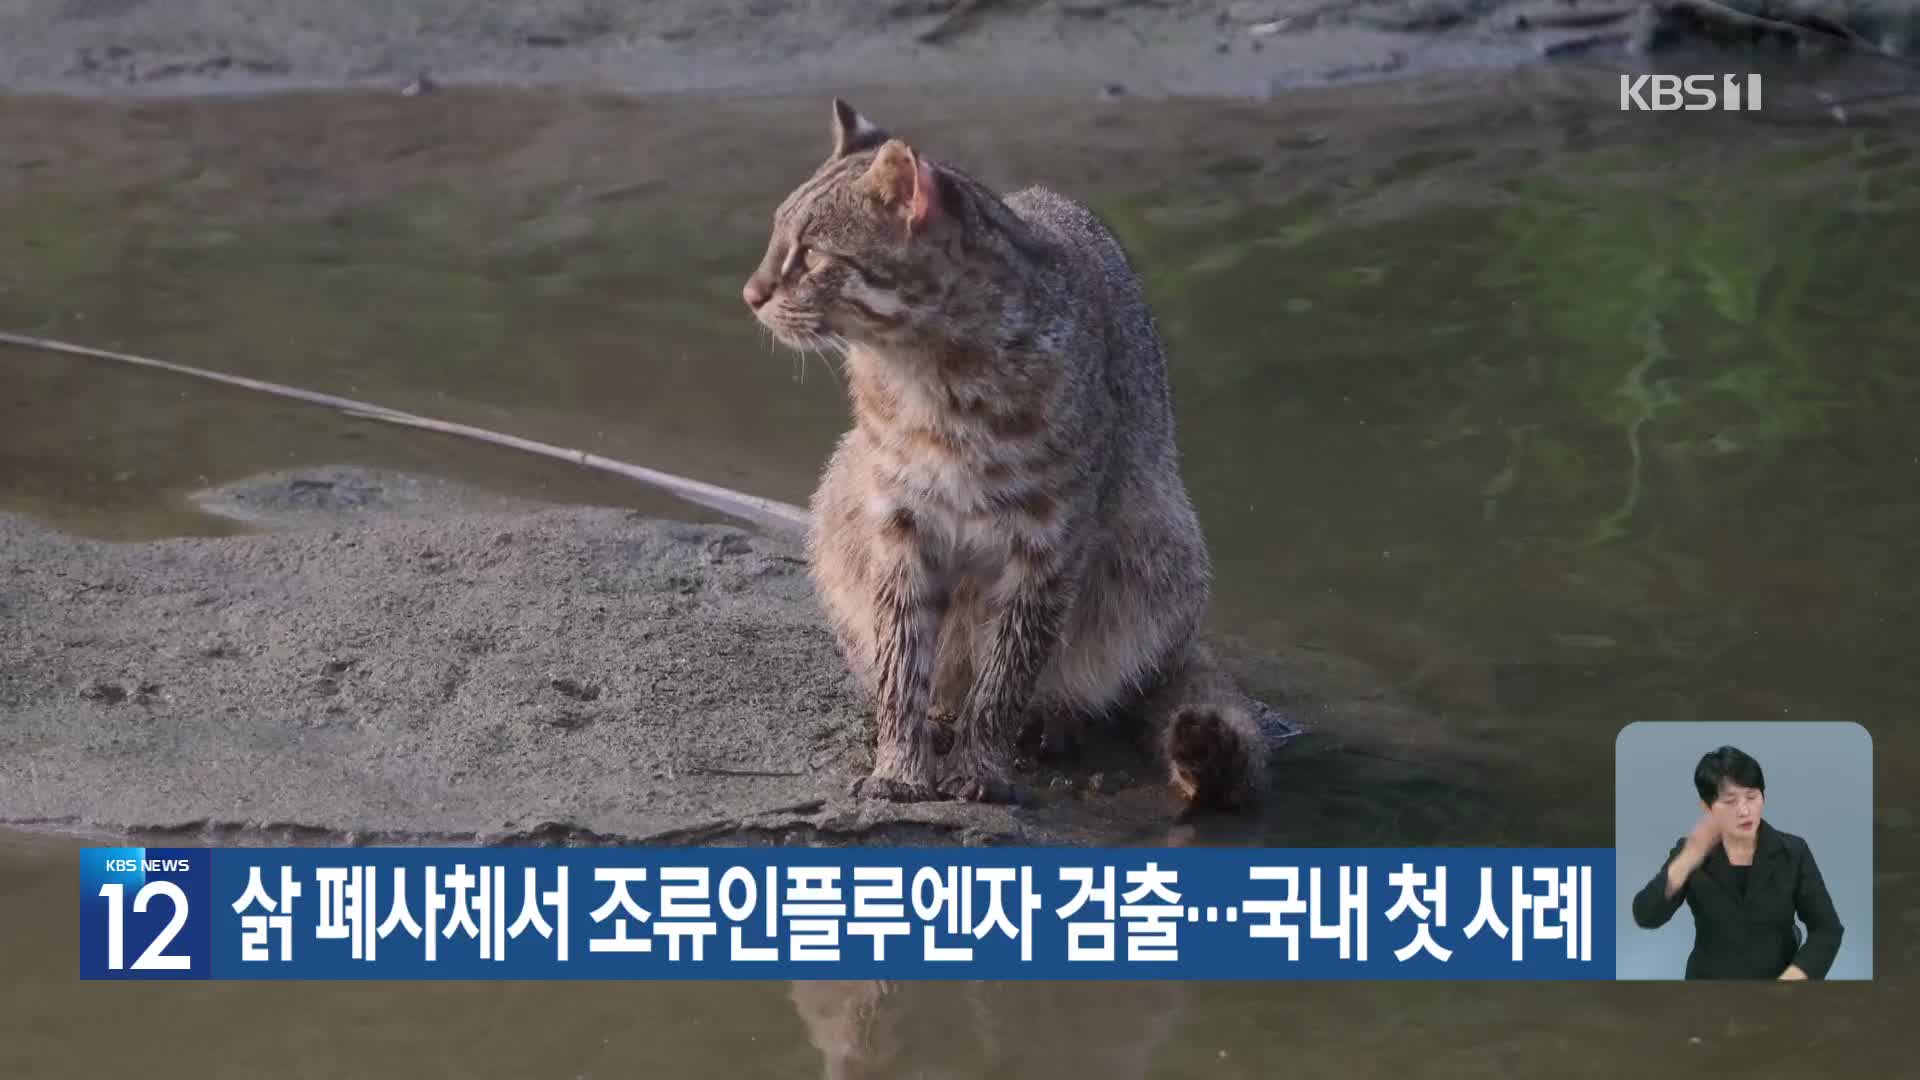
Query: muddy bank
[[1235, 48], [390, 659]]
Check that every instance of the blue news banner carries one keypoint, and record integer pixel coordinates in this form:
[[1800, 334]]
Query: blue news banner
[[812, 913]]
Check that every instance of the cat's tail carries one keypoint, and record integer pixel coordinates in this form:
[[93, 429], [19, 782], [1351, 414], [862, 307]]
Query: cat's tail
[[1214, 749]]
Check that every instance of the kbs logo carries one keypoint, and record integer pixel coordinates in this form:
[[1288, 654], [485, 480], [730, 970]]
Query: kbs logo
[[1671, 93]]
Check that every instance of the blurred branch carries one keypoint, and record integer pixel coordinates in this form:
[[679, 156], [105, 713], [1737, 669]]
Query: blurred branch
[[955, 19], [1808, 25]]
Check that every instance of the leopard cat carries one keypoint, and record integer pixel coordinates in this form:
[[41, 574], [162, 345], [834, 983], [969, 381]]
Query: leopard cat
[[1003, 537]]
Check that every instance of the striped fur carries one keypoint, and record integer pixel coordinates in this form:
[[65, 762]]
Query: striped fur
[[1003, 537]]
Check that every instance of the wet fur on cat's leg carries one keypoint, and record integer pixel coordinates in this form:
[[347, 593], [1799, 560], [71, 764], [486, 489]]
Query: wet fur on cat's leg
[[909, 602]]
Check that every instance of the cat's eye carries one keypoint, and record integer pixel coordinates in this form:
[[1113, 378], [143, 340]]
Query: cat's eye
[[809, 260]]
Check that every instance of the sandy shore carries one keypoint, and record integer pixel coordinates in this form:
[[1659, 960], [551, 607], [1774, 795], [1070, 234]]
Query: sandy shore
[[396, 658]]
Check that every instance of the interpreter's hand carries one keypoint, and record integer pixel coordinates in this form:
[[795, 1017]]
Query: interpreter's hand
[[1693, 851], [1700, 841]]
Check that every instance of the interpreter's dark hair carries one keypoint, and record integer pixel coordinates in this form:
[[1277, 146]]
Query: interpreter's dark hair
[[1727, 763]]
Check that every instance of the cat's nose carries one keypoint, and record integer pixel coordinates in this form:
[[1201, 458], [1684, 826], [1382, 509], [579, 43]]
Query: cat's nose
[[756, 292]]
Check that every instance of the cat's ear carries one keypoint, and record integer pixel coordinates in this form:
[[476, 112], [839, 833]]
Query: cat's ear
[[903, 180], [852, 132]]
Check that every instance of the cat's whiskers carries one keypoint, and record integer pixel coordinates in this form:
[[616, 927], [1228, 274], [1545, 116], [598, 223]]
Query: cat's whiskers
[[820, 343]]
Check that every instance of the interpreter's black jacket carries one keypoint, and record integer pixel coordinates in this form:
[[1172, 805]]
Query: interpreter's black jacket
[[1750, 933]]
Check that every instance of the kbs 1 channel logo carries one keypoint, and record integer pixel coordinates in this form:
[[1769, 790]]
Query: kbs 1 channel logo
[[500, 914], [1691, 93]]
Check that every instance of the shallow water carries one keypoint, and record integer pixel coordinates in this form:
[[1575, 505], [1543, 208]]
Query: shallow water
[[1557, 420]]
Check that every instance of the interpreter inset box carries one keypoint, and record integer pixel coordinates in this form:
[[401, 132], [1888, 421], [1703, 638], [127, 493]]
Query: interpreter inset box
[[1743, 850]]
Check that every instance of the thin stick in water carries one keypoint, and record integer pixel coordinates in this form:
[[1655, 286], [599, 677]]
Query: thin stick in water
[[783, 517]]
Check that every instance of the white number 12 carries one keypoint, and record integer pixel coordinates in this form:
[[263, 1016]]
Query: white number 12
[[155, 957]]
